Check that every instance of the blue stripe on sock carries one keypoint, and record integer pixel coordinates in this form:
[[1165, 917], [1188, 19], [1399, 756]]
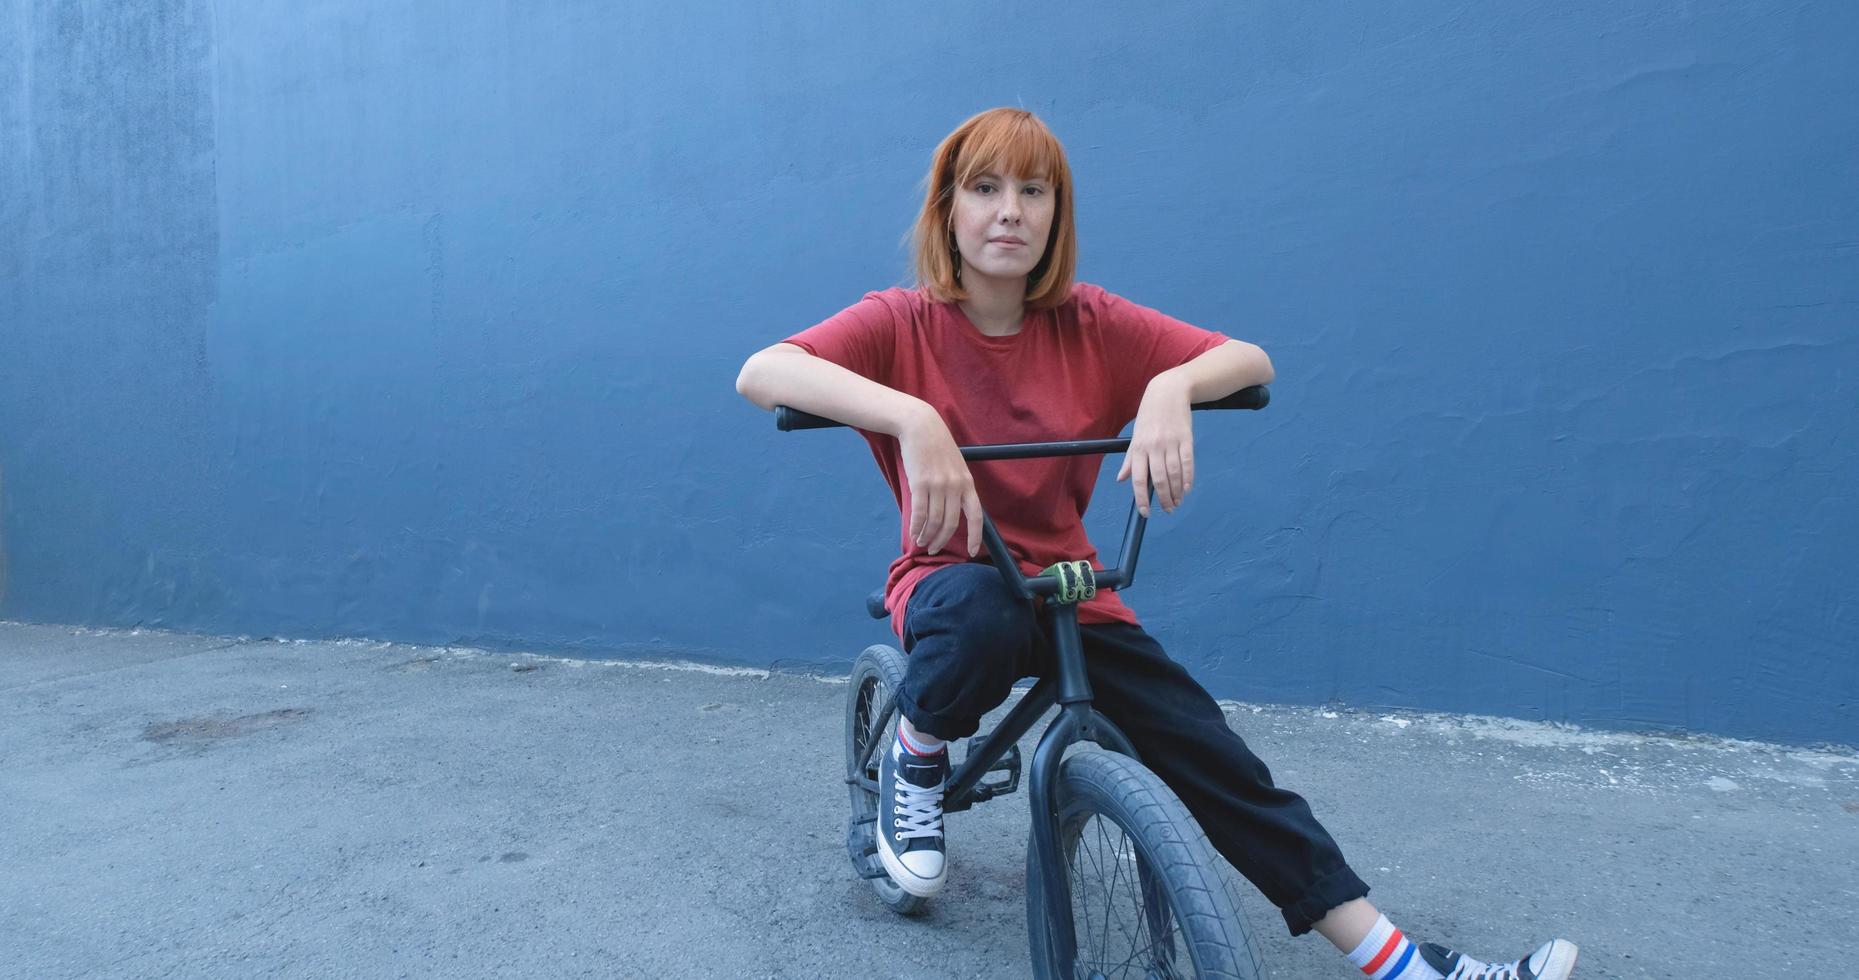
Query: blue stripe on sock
[[1402, 963], [911, 747]]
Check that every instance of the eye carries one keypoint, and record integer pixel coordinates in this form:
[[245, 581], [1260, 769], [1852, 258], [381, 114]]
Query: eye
[[1034, 191], [984, 187]]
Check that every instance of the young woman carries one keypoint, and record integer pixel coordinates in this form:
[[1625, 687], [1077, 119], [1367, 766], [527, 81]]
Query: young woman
[[998, 344]]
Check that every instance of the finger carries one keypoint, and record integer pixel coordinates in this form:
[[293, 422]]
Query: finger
[[953, 519], [919, 508], [932, 518], [1152, 480], [971, 511], [1175, 479], [932, 523], [1158, 479], [1187, 467], [1153, 476], [1139, 483], [951, 512], [1124, 470]]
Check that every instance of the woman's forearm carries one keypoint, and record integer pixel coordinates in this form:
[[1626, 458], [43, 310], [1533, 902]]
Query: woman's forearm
[[1220, 372], [787, 375]]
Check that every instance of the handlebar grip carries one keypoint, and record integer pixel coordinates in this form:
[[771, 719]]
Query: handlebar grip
[[1253, 398], [789, 419]]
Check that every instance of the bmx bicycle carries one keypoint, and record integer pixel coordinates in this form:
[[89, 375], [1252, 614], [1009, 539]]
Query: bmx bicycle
[[1120, 880]]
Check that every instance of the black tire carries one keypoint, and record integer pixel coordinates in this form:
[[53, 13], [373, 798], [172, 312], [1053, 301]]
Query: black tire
[[1179, 916], [877, 672]]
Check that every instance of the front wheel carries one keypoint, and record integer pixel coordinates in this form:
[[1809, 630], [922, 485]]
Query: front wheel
[[1147, 899]]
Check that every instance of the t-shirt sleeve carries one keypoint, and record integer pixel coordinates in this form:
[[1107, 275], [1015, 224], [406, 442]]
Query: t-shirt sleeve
[[862, 338], [1141, 343]]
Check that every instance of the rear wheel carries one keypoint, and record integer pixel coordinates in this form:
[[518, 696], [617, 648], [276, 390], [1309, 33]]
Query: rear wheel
[[877, 673], [1147, 899]]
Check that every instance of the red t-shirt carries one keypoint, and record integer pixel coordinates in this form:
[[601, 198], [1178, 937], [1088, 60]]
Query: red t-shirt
[[1077, 371]]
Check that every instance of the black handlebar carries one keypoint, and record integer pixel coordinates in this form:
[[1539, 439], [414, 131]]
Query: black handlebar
[[1253, 398]]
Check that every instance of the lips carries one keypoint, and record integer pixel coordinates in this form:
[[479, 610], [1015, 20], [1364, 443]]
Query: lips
[[1007, 240]]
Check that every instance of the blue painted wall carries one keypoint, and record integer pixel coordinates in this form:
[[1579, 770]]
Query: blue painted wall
[[419, 321]]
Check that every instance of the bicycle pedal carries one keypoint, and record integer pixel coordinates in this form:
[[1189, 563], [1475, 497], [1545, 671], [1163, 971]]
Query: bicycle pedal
[[862, 848], [1008, 763]]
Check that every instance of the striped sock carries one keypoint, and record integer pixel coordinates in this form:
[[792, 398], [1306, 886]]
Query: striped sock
[[1387, 955], [920, 744]]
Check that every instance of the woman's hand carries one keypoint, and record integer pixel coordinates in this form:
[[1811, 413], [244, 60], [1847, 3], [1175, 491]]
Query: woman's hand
[[942, 491], [1161, 444]]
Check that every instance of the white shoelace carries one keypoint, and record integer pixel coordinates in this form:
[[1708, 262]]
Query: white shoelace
[[919, 810], [1471, 969]]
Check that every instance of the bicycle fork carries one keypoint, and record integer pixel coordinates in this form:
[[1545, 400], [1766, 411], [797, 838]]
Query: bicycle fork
[[1077, 721]]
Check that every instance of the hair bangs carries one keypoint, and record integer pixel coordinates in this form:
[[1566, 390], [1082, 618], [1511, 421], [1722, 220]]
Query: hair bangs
[[1009, 144]]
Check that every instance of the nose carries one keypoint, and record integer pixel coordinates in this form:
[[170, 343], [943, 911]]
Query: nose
[[1010, 209]]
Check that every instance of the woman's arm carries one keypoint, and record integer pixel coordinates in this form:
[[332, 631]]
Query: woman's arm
[[942, 491], [1220, 372], [786, 374], [1162, 440]]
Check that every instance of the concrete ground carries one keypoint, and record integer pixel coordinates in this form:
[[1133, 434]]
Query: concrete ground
[[192, 806]]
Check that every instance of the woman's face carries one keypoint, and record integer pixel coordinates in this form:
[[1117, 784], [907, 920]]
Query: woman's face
[[1001, 224]]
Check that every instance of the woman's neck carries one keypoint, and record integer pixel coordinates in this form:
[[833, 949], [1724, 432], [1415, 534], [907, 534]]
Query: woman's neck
[[995, 306]]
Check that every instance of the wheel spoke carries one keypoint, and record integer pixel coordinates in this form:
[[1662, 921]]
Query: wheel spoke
[[1106, 870], [1084, 900], [1155, 911], [1110, 875], [1134, 888], [1110, 895], [1081, 900]]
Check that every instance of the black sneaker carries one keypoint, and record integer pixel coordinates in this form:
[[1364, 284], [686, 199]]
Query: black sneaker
[[909, 830], [1554, 960]]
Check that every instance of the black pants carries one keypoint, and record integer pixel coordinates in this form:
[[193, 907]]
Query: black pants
[[969, 639]]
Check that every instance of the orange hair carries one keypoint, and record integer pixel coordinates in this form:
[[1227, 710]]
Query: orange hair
[[1011, 142]]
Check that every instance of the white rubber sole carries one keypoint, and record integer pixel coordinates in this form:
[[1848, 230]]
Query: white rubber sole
[[913, 884], [1561, 962]]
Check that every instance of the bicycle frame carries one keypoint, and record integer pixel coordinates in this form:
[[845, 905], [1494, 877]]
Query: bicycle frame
[[1068, 685], [1072, 687]]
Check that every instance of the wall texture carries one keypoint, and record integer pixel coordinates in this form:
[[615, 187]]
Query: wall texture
[[419, 321]]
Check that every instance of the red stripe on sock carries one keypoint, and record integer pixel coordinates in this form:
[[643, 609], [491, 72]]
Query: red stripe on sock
[[1387, 950], [911, 747]]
